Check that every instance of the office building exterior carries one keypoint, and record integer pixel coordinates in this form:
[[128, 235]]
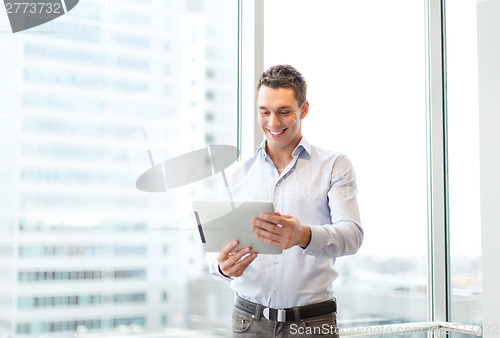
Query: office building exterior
[[82, 250]]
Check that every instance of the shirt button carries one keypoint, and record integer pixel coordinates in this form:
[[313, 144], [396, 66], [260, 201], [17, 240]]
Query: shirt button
[[275, 289], [275, 261], [277, 184]]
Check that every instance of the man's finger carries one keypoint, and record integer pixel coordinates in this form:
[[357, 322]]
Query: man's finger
[[265, 233], [270, 217], [224, 253], [227, 262], [268, 226], [280, 220], [236, 269], [269, 240], [242, 264]]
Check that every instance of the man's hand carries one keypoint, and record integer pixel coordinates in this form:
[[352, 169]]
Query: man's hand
[[283, 231], [230, 263]]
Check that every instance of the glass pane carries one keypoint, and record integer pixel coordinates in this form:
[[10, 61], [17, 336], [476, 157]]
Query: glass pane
[[365, 67], [90, 101], [463, 145]]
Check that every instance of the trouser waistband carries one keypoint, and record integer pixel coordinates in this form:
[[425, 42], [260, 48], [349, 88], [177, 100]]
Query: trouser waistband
[[289, 314]]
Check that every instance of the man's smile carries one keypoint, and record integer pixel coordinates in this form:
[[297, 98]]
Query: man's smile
[[276, 133]]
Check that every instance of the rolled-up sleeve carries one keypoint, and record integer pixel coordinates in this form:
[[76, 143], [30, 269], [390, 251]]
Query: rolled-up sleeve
[[344, 235]]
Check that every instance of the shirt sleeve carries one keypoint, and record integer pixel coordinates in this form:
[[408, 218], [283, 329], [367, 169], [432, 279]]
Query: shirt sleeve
[[213, 264], [344, 235]]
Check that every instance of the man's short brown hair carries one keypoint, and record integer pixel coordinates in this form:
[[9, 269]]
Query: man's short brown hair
[[285, 76]]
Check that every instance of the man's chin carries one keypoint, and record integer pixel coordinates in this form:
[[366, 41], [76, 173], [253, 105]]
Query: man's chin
[[277, 144]]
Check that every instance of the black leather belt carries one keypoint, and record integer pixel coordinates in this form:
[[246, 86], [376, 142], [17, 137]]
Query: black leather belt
[[286, 315]]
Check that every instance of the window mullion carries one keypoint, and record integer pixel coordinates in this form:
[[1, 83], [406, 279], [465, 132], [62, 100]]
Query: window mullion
[[438, 222]]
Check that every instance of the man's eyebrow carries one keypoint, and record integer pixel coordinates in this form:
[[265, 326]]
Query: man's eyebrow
[[279, 108]]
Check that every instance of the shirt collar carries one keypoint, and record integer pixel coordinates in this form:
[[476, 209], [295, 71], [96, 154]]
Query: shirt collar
[[303, 145]]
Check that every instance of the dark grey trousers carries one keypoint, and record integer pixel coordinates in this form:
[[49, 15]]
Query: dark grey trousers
[[247, 325]]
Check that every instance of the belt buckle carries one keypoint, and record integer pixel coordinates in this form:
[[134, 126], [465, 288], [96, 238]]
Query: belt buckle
[[281, 314]]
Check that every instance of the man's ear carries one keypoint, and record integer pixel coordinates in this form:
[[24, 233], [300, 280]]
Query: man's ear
[[304, 109]]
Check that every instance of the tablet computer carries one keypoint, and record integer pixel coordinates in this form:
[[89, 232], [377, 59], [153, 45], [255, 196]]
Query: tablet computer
[[220, 222]]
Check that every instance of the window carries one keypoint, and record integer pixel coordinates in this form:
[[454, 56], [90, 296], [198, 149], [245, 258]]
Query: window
[[210, 95], [92, 99], [210, 74], [80, 89], [209, 117], [367, 100]]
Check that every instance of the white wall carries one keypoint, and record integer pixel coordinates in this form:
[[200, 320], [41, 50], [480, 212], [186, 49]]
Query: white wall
[[488, 13]]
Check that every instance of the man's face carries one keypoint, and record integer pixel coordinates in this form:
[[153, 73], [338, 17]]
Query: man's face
[[280, 117]]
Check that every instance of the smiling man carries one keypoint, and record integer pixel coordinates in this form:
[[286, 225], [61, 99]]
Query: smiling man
[[316, 221]]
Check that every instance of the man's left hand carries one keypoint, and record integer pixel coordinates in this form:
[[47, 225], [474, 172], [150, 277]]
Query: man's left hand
[[282, 231]]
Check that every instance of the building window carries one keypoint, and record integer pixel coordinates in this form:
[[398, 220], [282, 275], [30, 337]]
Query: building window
[[210, 95], [210, 74], [23, 328], [209, 138], [209, 117]]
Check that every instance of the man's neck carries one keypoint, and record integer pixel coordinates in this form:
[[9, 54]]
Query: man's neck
[[281, 156]]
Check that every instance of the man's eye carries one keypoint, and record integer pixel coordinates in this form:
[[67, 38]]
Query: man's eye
[[284, 112], [264, 113]]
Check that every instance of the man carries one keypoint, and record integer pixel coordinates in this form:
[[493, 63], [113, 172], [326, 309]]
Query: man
[[317, 220]]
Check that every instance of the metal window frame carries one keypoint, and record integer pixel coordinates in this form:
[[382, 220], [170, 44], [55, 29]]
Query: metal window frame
[[250, 67], [439, 292]]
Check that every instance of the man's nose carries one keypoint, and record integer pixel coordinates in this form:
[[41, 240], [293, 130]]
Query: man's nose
[[274, 120]]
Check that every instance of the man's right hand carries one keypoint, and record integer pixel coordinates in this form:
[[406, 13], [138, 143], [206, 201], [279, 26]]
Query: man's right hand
[[231, 264]]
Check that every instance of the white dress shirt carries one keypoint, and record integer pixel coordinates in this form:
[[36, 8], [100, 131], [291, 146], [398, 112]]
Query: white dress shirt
[[319, 188]]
